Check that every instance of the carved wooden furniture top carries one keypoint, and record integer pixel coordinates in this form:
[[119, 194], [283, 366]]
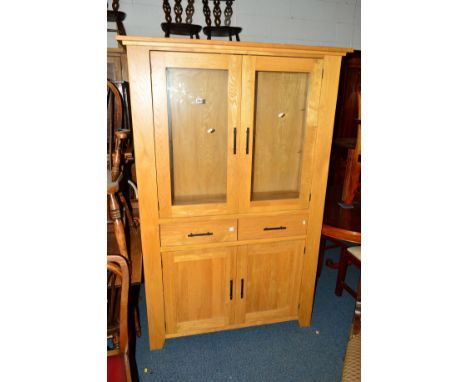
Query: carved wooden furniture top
[[231, 47]]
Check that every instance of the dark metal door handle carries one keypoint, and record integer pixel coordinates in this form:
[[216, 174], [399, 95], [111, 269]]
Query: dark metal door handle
[[200, 234], [230, 290], [247, 140], [273, 228], [242, 288], [235, 140]]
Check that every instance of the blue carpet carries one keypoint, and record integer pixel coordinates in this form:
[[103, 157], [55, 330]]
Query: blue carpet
[[278, 352]]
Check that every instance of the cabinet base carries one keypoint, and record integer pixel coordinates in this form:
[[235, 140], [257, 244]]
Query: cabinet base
[[230, 327]]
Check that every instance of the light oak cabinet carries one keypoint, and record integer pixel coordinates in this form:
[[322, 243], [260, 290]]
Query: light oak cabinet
[[232, 142]]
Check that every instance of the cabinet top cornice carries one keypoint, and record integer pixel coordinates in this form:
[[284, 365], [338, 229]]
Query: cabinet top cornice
[[232, 47]]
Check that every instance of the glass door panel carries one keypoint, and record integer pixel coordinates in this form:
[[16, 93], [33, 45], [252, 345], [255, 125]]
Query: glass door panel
[[280, 116], [280, 101], [196, 99], [198, 124]]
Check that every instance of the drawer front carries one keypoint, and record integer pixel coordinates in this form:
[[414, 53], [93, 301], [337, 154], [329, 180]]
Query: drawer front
[[198, 232], [272, 226]]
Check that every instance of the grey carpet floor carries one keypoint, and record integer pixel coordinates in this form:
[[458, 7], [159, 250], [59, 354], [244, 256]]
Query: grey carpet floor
[[278, 352]]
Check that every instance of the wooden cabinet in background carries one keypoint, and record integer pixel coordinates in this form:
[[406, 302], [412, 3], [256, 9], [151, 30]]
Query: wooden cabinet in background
[[117, 64], [347, 102], [232, 141], [347, 119]]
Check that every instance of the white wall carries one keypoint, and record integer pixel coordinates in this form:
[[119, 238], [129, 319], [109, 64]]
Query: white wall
[[308, 22]]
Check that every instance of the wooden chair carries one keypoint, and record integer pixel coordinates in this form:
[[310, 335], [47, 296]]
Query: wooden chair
[[180, 28], [351, 255], [118, 362], [119, 121], [119, 213], [116, 17], [116, 138], [118, 129], [219, 30]]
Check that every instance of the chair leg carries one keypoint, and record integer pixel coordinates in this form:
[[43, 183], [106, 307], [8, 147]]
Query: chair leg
[[357, 311], [237, 37], [343, 267], [135, 295], [136, 318], [128, 372], [121, 28], [197, 36]]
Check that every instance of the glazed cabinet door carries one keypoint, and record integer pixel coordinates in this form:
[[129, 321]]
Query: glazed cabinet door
[[280, 102], [196, 103], [198, 289], [268, 281]]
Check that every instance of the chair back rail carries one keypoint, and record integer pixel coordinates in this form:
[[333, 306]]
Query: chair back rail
[[214, 27], [176, 26]]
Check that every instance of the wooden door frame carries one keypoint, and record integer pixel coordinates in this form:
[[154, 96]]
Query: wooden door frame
[[159, 62], [251, 65]]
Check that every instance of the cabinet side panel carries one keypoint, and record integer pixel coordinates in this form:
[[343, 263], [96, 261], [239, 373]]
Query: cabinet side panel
[[143, 133], [319, 172]]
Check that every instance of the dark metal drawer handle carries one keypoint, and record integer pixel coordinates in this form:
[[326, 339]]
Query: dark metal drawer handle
[[200, 234], [273, 228]]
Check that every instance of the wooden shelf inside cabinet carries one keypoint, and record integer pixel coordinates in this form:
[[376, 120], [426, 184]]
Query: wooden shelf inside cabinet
[[232, 141]]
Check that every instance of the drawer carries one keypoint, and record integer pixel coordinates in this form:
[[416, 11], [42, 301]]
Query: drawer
[[198, 232], [266, 227]]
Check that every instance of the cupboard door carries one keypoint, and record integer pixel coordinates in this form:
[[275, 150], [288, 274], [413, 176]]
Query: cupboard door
[[280, 101], [268, 281], [198, 289], [196, 103]]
